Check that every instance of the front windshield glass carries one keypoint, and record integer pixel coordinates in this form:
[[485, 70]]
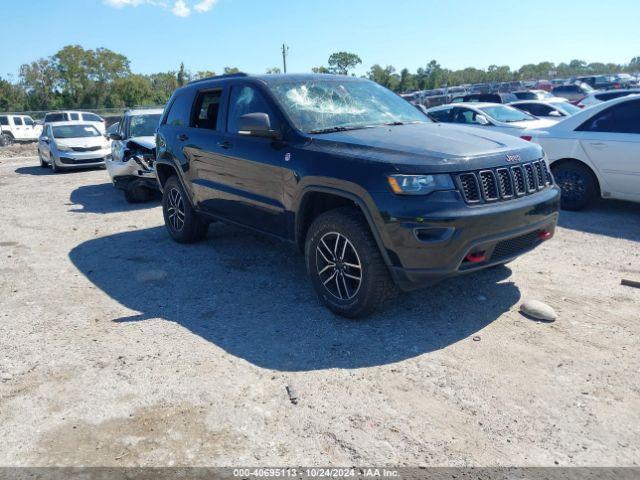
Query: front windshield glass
[[144, 125], [506, 114], [321, 105], [75, 131]]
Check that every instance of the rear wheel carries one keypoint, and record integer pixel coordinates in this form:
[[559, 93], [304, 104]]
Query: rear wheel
[[345, 265], [578, 185], [181, 220]]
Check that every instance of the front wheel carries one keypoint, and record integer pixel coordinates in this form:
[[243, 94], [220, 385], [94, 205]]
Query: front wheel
[[577, 183], [54, 167], [182, 221], [345, 265]]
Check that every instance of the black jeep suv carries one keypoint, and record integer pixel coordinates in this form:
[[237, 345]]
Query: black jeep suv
[[375, 195]]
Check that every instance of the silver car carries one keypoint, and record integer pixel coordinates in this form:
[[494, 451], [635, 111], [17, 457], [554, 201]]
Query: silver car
[[133, 154], [72, 145]]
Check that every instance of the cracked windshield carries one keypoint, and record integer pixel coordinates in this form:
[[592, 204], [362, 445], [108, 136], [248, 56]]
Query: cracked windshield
[[327, 106]]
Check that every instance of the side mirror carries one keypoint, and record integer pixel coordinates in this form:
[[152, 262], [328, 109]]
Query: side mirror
[[256, 125], [555, 113], [482, 120], [45, 139], [115, 136]]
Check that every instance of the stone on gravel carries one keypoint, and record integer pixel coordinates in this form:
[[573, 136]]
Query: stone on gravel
[[538, 310]]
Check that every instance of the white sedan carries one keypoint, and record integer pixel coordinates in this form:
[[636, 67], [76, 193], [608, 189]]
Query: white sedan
[[548, 110], [497, 117], [596, 152]]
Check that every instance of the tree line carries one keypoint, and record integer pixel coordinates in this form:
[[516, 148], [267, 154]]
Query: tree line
[[78, 78]]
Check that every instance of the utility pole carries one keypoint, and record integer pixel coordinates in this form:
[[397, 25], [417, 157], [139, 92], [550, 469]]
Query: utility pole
[[285, 52]]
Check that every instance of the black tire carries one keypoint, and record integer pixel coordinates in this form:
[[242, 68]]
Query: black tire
[[137, 193], [7, 139], [184, 227], [578, 184], [346, 296], [43, 164], [54, 167]]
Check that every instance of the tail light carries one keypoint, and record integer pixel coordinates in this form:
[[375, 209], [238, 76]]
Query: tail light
[[528, 138]]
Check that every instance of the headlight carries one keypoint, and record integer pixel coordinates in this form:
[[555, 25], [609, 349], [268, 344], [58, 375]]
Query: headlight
[[63, 148], [419, 184]]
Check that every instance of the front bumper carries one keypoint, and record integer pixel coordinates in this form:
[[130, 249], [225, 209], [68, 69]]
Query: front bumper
[[123, 173], [81, 159], [432, 238]]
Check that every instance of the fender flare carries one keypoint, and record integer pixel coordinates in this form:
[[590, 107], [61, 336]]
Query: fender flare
[[350, 196]]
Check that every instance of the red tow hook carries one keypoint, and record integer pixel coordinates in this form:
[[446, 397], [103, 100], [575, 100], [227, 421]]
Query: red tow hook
[[544, 234], [476, 257]]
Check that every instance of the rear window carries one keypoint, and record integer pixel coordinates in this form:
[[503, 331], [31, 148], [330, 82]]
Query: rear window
[[17, 121], [4, 121], [74, 116], [611, 95], [91, 117], [55, 117]]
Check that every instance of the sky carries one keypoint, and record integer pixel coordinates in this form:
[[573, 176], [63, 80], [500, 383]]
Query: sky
[[157, 35]]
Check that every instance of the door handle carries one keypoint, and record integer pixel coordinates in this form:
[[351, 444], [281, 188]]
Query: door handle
[[182, 137], [226, 145], [598, 145]]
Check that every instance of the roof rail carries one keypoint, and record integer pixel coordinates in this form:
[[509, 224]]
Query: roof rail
[[227, 75]]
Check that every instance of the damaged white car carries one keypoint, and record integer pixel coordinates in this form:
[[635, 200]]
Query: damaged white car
[[133, 150]]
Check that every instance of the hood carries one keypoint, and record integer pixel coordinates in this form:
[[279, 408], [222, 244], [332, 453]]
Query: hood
[[436, 146], [83, 142], [145, 142], [534, 124]]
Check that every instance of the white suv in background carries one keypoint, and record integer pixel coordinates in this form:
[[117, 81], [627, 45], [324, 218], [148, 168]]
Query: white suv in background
[[18, 128], [74, 116]]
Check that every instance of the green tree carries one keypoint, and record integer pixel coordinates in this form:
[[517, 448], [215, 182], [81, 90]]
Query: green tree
[[231, 70], [273, 71], [342, 62], [203, 74], [12, 97], [384, 76], [320, 69]]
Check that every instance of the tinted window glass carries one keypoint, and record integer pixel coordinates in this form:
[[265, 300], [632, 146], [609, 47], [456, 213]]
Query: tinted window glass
[[74, 116], [4, 121], [441, 115], [28, 121], [621, 118], [525, 95], [462, 115], [90, 117], [17, 121], [55, 117], [180, 111], [247, 100], [207, 109]]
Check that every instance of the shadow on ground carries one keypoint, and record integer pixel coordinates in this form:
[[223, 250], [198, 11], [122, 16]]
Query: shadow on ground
[[250, 296], [32, 170], [104, 198], [606, 217]]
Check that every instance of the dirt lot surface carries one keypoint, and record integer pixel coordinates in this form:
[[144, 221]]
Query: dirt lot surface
[[119, 347]]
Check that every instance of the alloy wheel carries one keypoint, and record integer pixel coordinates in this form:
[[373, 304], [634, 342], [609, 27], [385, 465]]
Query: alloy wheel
[[175, 210], [571, 183], [338, 266]]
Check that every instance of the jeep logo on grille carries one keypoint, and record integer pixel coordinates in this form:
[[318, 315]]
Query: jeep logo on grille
[[513, 158]]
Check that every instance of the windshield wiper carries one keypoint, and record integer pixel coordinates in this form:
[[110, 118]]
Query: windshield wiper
[[338, 129]]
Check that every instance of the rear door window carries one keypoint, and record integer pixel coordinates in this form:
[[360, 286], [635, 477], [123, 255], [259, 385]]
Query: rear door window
[[74, 116], [207, 110], [441, 115], [621, 118], [17, 121]]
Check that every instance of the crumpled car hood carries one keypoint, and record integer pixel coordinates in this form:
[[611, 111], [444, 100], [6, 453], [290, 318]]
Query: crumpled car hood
[[145, 142], [437, 146]]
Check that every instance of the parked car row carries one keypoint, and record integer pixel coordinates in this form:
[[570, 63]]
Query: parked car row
[[376, 196]]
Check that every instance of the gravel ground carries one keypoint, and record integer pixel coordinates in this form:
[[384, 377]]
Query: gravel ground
[[119, 347]]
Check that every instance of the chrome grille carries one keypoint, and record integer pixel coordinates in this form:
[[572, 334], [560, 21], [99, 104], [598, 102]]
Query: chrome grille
[[503, 183]]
